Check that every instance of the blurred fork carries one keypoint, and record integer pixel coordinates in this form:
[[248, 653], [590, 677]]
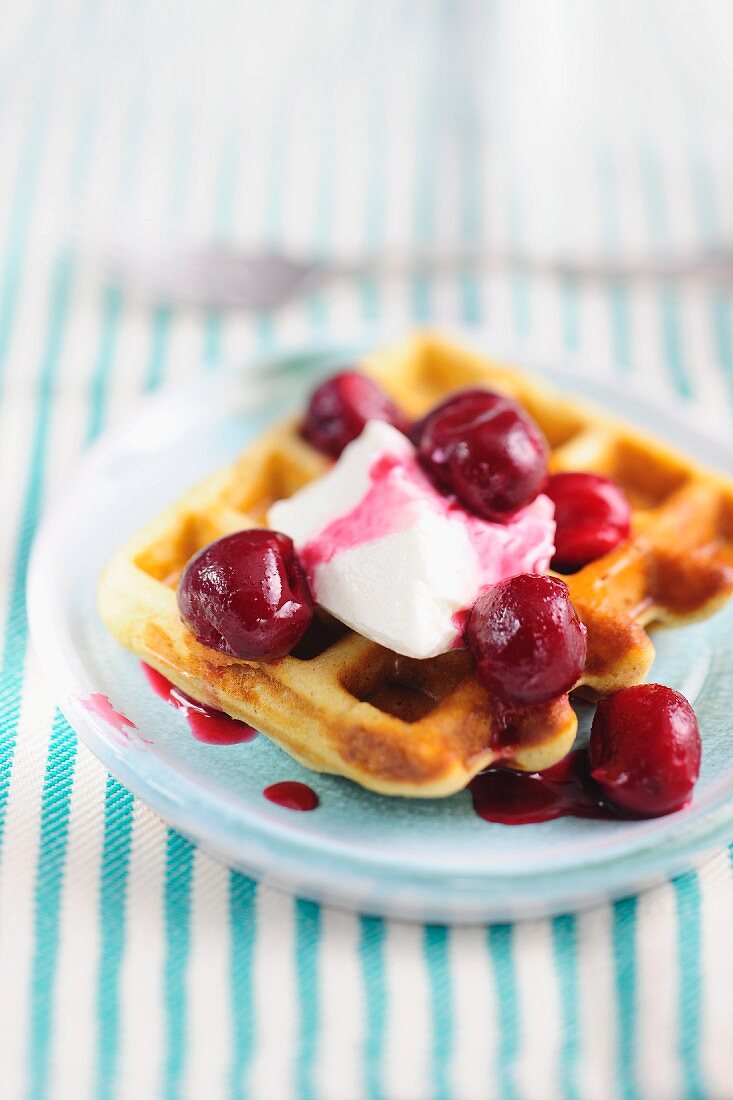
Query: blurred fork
[[219, 276]]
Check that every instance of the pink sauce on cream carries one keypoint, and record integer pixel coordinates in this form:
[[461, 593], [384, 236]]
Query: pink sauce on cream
[[398, 486]]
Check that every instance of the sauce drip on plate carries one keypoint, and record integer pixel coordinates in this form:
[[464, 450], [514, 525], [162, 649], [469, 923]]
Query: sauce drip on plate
[[523, 798], [292, 795], [207, 724]]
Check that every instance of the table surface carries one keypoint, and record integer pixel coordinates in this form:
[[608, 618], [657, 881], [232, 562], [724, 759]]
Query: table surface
[[131, 964]]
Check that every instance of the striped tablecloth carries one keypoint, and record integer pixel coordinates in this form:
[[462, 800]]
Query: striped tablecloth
[[131, 964]]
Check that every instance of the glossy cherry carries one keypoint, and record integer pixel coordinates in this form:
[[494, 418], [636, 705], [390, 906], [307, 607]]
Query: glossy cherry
[[340, 407], [486, 450], [526, 639], [592, 515], [247, 595], [645, 749]]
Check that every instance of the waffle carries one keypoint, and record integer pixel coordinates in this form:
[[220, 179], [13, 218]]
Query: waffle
[[345, 705]]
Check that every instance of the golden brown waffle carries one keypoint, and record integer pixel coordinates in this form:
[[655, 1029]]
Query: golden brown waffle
[[345, 705]]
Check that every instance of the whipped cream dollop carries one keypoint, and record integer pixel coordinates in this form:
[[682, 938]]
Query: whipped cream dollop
[[393, 558]]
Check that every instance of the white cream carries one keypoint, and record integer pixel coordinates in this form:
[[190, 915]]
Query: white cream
[[393, 558]]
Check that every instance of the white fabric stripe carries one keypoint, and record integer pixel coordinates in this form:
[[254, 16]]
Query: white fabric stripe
[[339, 1073], [597, 999], [408, 1017], [209, 1032], [17, 877], [75, 1000], [475, 1013], [716, 919], [657, 978], [274, 994], [537, 1064], [141, 993]]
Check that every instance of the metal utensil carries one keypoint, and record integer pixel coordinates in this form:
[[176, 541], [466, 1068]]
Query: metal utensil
[[218, 276]]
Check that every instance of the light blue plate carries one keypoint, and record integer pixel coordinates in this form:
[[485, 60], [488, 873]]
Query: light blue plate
[[432, 860]]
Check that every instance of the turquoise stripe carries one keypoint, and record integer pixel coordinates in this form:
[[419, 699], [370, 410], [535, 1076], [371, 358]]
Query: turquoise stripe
[[111, 311], [624, 959], [500, 938], [720, 300], [565, 947], [224, 208], [521, 287], [570, 314], [374, 978], [55, 804], [437, 942], [429, 124], [162, 316], [723, 335], [22, 206], [689, 939], [307, 948], [118, 807], [242, 915], [618, 301], [655, 197], [118, 803], [317, 310], [161, 320], [276, 176], [12, 667], [672, 335], [620, 327], [374, 201], [421, 307], [470, 183], [178, 878]]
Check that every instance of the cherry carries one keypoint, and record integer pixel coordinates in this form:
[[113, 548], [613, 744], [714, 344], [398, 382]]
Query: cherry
[[340, 407], [527, 640], [592, 516], [645, 749], [485, 449], [247, 595]]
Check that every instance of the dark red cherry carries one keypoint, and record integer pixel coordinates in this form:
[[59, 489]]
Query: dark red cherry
[[526, 639], [592, 515], [486, 450], [247, 595], [340, 407], [645, 749]]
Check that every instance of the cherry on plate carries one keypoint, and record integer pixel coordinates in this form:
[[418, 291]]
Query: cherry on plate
[[526, 639], [592, 516], [341, 406], [247, 595], [486, 450], [645, 750]]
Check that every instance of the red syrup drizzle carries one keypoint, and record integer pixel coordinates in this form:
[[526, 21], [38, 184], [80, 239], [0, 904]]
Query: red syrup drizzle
[[292, 795], [523, 798], [100, 704], [207, 724]]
